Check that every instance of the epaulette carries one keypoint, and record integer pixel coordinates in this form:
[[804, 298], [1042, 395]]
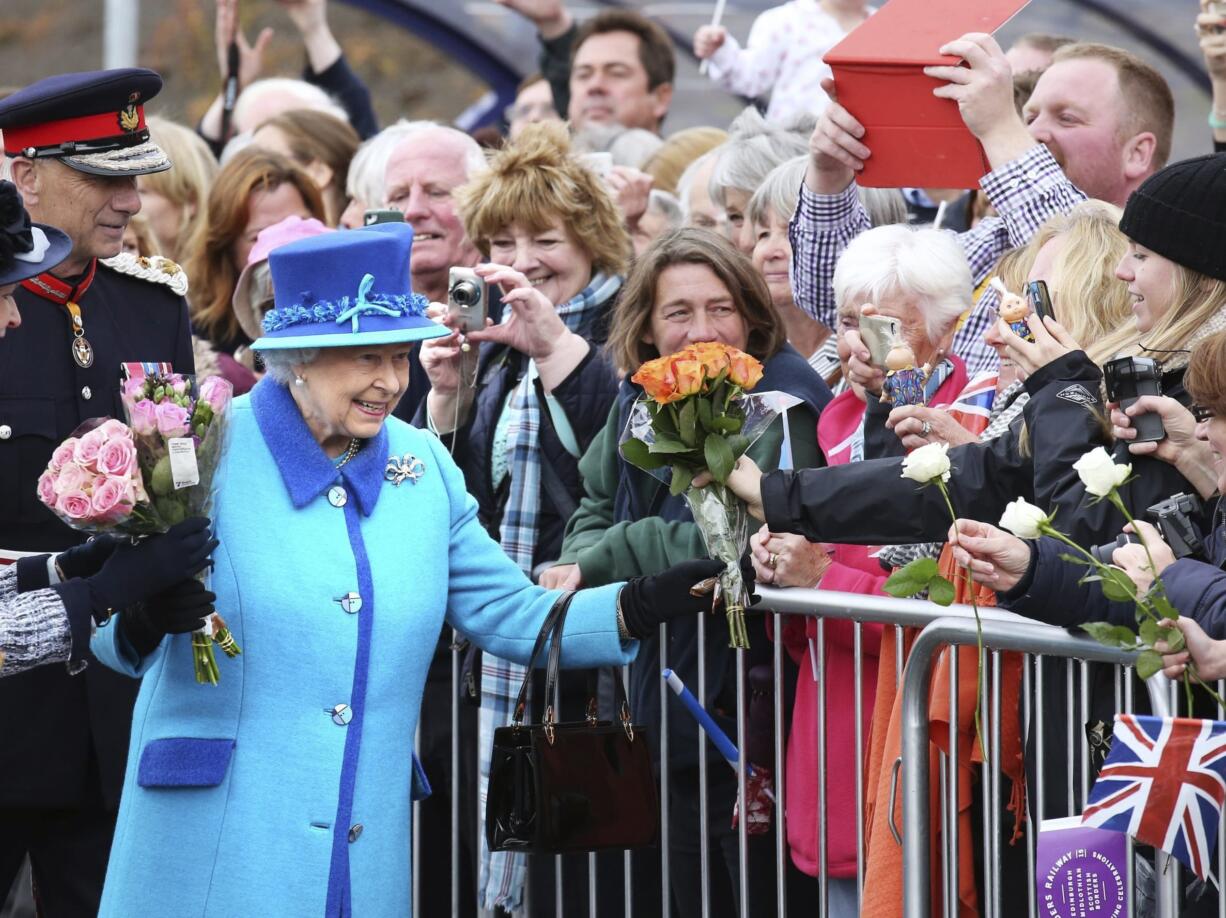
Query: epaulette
[[153, 268]]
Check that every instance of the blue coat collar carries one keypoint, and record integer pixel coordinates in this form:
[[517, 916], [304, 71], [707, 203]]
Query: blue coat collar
[[305, 468]]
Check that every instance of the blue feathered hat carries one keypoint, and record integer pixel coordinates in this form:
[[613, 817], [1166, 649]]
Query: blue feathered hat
[[345, 290]]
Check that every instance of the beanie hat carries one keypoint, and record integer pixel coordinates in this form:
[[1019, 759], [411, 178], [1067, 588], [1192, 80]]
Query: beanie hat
[[1180, 213]]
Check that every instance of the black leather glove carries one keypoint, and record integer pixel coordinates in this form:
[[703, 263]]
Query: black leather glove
[[135, 572], [178, 610], [648, 601], [87, 558]]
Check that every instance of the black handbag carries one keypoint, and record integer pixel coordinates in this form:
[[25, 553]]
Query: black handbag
[[557, 788]]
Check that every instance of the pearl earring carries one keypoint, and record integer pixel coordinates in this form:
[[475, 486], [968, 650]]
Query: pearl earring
[[299, 381]]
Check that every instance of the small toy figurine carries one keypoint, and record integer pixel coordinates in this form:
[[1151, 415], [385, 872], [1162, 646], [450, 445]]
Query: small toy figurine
[[1013, 309], [904, 383]]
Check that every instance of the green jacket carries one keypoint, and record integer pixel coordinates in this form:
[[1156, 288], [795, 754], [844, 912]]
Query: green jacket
[[608, 550]]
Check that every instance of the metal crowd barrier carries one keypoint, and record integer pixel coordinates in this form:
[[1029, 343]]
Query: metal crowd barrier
[[1043, 646]]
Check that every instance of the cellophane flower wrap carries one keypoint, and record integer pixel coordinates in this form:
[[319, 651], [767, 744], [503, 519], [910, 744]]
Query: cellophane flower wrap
[[115, 477], [698, 416]]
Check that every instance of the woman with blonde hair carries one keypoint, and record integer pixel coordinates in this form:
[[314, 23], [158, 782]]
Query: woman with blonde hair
[[322, 144], [666, 165], [172, 200], [518, 412], [254, 190]]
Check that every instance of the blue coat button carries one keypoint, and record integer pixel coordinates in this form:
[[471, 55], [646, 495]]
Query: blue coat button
[[341, 714], [337, 496]]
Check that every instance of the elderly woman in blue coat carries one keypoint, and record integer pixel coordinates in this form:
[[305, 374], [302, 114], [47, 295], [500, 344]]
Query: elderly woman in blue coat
[[347, 539]]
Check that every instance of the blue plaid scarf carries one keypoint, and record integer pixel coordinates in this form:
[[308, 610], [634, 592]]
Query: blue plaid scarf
[[501, 876]]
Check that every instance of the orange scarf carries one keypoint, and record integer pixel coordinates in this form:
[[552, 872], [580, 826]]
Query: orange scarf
[[883, 855]]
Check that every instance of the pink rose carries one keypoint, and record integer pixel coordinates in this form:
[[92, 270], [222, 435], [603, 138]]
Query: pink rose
[[46, 488], [73, 504], [63, 454], [86, 451], [112, 429], [117, 457], [72, 478], [176, 384], [112, 500], [216, 393], [172, 420], [133, 389], [143, 416]]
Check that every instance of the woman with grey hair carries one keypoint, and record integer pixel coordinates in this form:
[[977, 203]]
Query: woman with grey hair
[[768, 215], [694, 194], [753, 149], [376, 546]]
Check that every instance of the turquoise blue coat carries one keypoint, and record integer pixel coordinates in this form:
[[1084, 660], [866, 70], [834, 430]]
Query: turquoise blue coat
[[261, 796]]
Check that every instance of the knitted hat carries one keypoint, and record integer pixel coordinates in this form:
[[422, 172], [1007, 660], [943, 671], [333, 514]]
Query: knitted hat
[[1180, 213]]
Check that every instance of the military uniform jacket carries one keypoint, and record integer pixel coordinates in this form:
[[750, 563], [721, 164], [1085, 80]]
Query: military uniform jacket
[[132, 311]]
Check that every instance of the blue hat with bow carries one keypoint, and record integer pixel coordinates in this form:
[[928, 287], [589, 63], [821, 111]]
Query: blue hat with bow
[[345, 290]]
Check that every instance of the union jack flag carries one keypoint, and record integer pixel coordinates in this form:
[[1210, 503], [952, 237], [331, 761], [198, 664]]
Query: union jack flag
[[973, 406], [1164, 783]]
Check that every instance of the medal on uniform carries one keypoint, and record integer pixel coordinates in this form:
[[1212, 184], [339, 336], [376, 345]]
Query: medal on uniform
[[52, 288], [82, 350]]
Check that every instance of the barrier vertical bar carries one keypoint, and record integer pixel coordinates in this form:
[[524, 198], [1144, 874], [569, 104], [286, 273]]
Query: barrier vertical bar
[[416, 866], [704, 816], [1069, 738], [954, 741], [742, 765], [943, 774], [781, 835], [857, 650], [455, 774], [627, 859], [994, 822], [665, 900], [556, 701], [1083, 740], [1039, 737], [1129, 846], [823, 907], [1031, 835], [985, 770]]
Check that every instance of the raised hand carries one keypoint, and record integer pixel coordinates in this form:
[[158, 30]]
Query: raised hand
[[709, 39], [835, 151], [250, 57]]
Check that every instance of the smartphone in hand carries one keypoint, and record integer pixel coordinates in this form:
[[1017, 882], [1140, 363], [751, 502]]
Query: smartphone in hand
[[879, 333]]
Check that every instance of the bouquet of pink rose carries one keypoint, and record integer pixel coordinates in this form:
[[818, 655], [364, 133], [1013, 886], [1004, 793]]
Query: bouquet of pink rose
[[145, 476]]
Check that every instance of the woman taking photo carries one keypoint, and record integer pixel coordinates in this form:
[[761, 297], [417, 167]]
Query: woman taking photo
[[689, 286], [518, 412], [287, 789]]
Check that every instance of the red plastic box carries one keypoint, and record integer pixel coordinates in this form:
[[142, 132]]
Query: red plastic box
[[916, 139]]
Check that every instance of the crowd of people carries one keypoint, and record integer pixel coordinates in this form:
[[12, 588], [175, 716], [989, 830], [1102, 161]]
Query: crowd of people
[[290, 245]]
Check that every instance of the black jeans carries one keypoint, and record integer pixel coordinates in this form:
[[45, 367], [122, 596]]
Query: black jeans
[[724, 848]]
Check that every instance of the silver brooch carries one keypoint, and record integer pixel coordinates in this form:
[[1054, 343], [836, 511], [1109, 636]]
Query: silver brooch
[[404, 468]]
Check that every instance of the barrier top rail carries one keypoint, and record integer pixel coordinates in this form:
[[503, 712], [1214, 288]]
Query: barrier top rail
[[888, 610]]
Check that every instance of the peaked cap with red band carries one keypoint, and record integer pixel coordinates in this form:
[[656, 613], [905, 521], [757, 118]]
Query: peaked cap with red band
[[93, 122]]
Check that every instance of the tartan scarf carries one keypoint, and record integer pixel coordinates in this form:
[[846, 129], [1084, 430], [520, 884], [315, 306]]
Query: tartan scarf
[[500, 882]]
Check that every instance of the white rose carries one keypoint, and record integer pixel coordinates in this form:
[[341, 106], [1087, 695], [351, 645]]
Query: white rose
[[927, 463], [1099, 473], [1022, 519]]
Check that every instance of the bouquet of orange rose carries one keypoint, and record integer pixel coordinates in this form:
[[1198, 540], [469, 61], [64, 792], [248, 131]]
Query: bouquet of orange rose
[[698, 417]]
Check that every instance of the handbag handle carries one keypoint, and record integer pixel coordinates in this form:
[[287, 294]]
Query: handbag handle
[[551, 627]]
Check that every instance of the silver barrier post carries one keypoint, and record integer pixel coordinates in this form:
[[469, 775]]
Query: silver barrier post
[[781, 837], [1020, 635], [704, 817], [455, 773], [665, 898]]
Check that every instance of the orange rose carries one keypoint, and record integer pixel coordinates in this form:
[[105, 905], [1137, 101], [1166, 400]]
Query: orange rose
[[713, 355], [688, 376], [745, 370], [656, 378]]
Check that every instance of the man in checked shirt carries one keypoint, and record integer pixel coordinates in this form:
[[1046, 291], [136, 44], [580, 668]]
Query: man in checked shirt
[[1097, 124]]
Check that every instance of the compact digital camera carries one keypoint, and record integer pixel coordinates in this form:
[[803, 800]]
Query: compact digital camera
[[1173, 519], [467, 300], [1129, 378]]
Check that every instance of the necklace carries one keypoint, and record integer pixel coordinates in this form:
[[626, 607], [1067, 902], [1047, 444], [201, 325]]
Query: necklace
[[350, 451]]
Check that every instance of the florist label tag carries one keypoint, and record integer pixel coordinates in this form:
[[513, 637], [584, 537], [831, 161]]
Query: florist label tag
[[183, 469]]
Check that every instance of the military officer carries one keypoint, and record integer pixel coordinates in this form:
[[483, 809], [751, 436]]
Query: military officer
[[76, 142]]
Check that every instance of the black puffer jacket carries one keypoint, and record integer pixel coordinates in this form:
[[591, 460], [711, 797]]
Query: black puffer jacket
[[870, 503], [585, 396]]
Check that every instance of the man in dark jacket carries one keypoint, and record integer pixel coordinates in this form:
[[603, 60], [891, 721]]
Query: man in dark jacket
[[77, 142]]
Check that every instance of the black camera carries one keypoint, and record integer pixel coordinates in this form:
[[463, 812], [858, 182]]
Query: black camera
[[1173, 519], [1129, 378]]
